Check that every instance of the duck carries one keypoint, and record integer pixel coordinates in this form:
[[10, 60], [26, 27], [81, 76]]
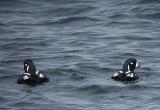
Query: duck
[[30, 75], [127, 73]]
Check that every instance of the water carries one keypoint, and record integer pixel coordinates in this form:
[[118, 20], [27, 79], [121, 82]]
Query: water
[[79, 44]]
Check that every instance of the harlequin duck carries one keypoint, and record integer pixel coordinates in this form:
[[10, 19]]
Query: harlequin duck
[[127, 73], [30, 75]]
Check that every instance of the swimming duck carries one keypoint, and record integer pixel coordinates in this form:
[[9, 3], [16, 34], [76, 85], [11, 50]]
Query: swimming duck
[[127, 73], [30, 75]]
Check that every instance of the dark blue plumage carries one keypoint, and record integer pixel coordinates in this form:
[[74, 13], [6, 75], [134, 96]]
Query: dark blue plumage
[[30, 75], [127, 73]]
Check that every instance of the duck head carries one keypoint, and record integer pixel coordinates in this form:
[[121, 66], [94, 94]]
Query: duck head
[[130, 65], [29, 67]]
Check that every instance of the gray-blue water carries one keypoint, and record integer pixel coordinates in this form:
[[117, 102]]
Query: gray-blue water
[[79, 44]]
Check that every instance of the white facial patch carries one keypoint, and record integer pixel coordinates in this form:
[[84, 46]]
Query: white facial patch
[[131, 63]]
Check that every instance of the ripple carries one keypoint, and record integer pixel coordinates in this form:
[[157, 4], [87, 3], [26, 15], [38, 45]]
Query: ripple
[[76, 77], [79, 44], [150, 16], [75, 19], [148, 1]]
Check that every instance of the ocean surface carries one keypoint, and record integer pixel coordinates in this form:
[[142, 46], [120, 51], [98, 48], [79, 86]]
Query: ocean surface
[[79, 44]]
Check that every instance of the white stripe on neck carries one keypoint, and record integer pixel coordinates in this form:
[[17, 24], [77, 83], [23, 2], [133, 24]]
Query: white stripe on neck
[[137, 65], [27, 68], [128, 69]]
